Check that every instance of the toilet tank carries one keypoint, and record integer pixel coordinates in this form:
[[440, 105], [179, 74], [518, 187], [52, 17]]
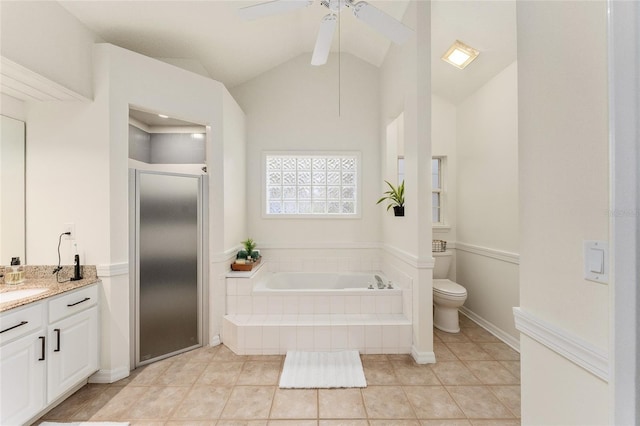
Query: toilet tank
[[443, 262]]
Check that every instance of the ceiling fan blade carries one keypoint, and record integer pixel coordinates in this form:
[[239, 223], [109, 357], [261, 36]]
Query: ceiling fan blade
[[323, 42], [274, 7], [390, 27]]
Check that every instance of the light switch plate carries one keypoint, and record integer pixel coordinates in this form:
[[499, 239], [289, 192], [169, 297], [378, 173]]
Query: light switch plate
[[596, 261]]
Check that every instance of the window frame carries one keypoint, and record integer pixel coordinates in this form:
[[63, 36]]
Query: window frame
[[441, 190], [358, 184]]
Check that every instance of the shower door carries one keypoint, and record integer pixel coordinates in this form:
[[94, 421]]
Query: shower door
[[168, 264]]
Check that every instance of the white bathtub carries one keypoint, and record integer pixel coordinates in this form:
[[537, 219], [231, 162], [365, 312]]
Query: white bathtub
[[322, 283], [272, 313]]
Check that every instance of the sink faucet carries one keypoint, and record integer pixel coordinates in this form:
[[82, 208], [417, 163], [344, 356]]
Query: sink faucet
[[379, 281]]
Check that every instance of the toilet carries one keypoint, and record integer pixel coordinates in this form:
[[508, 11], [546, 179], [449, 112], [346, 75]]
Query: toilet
[[447, 295]]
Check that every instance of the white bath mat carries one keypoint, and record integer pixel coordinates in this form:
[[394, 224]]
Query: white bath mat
[[313, 370]]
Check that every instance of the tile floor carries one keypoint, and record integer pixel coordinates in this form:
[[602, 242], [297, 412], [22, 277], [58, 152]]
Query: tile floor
[[475, 382]]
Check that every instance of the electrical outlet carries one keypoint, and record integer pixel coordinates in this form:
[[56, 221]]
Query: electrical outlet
[[71, 228]]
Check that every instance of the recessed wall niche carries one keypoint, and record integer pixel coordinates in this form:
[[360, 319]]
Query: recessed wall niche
[[159, 139]]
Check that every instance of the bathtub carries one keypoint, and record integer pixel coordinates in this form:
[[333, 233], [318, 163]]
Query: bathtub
[[274, 312], [322, 283]]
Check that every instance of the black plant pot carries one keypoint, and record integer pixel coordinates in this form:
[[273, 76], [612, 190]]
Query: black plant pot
[[398, 211]]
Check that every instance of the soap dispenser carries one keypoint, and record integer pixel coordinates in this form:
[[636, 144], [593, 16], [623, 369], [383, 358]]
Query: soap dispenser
[[16, 274]]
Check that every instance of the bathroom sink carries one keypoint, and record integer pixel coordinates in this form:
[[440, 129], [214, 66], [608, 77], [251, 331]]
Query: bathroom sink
[[12, 295]]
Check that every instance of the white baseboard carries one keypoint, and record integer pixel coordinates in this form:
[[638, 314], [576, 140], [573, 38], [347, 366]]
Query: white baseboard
[[109, 376], [491, 328], [564, 343], [423, 357]]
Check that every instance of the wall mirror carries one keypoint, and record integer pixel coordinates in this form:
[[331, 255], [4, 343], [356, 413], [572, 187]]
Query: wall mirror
[[12, 191]]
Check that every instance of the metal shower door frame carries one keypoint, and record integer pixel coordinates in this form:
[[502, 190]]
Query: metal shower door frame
[[134, 263]]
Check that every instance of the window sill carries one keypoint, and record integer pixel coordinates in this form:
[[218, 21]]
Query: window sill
[[441, 228]]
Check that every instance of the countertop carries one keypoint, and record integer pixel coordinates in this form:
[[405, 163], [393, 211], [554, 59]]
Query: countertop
[[42, 277]]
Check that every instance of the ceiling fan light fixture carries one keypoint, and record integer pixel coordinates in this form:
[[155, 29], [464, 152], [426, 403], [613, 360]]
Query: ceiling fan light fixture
[[460, 55], [324, 39], [390, 27]]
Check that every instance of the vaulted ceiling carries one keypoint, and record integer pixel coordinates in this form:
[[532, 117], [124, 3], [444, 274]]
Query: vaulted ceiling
[[210, 38]]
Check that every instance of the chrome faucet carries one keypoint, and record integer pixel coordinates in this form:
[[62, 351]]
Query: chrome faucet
[[379, 281]]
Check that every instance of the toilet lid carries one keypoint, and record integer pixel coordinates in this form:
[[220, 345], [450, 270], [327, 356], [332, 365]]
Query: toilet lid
[[448, 287]]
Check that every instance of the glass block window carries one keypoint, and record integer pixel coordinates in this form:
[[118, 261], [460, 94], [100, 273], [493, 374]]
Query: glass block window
[[311, 184]]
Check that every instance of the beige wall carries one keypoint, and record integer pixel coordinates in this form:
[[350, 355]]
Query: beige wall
[[77, 165], [443, 143], [298, 107], [564, 199], [487, 202], [43, 37], [405, 87]]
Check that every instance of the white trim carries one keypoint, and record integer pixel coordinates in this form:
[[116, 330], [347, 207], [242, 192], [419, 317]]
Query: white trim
[[113, 269], [570, 346], [225, 255], [408, 258], [504, 256], [109, 376], [491, 328], [440, 228], [422, 357], [321, 246], [26, 85]]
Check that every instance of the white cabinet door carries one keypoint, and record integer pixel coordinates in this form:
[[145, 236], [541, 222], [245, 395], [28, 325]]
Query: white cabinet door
[[73, 351], [22, 379]]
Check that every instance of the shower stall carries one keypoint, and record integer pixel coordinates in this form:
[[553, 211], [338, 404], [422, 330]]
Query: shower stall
[[167, 213]]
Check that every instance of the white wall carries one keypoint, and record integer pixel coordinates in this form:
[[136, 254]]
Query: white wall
[[298, 107], [624, 98], [43, 37], [77, 170], [405, 87], [443, 143], [564, 199], [487, 201], [12, 107]]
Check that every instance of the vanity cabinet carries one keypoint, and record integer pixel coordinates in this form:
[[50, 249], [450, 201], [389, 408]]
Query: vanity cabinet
[[46, 348], [73, 340], [22, 364]]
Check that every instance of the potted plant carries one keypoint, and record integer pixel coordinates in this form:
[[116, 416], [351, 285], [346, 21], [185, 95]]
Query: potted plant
[[249, 247], [395, 196]]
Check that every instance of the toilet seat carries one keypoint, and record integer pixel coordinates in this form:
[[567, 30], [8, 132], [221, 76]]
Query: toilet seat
[[449, 288]]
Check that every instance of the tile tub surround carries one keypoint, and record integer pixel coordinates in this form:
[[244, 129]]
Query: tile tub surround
[[269, 323], [40, 276], [214, 386]]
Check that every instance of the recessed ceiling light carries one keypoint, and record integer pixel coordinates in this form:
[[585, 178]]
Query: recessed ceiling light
[[460, 55], [163, 116]]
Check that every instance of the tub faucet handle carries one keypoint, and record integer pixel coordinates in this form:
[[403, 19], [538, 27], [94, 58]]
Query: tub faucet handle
[[370, 287], [389, 285], [380, 282]]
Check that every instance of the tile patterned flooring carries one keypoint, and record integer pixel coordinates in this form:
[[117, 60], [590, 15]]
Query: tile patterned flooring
[[475, 382]]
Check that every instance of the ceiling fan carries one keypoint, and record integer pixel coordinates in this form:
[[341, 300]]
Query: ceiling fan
[[388, 26]]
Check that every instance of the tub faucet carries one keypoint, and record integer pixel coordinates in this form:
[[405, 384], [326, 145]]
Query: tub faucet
[[379, 281]]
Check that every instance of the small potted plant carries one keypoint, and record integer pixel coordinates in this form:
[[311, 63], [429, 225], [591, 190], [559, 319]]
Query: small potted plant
[[395, 197], [249, 247], [247, 258]]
